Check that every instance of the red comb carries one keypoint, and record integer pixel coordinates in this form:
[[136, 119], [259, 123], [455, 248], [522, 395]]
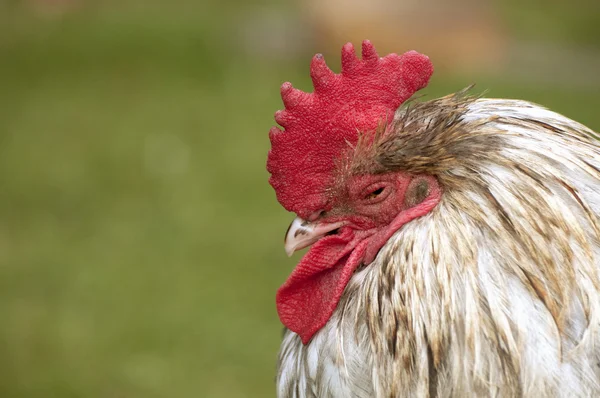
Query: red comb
[[319, 126]]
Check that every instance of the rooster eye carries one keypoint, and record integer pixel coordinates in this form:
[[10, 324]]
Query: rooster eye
[[374, 194]]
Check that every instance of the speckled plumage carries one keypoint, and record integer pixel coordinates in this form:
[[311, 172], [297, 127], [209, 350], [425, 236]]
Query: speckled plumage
[[496, 292]]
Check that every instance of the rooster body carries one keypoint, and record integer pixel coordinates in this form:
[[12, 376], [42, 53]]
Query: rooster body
[[496, 290]]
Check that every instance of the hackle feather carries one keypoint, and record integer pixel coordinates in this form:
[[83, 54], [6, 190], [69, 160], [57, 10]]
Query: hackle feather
[[496, 292]]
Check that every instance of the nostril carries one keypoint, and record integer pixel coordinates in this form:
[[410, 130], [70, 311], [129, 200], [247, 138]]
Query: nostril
[[316, 215]]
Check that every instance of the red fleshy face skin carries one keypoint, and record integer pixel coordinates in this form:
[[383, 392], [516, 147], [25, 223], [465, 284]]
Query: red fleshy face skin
[[319, 127]]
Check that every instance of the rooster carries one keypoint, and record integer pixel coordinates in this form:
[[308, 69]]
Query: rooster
[[454, 243]]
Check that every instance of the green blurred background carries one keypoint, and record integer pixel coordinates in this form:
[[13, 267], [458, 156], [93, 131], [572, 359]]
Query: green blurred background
[[140, 243]]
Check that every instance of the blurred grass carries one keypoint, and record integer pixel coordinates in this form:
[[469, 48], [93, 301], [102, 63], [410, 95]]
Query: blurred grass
[[140, 244], [138, 233], [575, 23]]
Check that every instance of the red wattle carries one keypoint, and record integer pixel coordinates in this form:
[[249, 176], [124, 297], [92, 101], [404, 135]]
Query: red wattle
[[306, 301]]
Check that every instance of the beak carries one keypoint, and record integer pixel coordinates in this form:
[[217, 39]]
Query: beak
[[301, 233]]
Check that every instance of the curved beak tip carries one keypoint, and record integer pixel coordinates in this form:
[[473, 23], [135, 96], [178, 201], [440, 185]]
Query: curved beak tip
[[301, 234], [289, 251]]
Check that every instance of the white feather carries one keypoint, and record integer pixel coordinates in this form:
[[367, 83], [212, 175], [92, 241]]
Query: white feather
[[460, 304]]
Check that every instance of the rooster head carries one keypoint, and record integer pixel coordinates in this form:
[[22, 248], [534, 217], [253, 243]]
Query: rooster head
[[323, 168]]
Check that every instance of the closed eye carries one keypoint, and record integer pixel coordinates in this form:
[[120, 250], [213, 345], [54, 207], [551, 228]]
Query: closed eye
[[374, 194]]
